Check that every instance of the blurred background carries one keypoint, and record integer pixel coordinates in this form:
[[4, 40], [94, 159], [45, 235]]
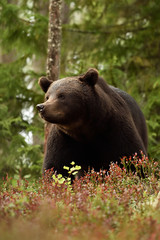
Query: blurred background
[[119, 38]]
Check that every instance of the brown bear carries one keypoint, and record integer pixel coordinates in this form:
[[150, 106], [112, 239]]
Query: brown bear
[[93, 123]]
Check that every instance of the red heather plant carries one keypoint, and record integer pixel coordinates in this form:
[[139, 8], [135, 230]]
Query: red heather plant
[[144, 167], [100, 205]]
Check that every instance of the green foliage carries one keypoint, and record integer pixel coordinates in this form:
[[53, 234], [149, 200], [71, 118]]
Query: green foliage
[[22, 26], [60, 179], [21, 130]]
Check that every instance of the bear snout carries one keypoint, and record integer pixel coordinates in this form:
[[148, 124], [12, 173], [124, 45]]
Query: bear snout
[[40, 107]]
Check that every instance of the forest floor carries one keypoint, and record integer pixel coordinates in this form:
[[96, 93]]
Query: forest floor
[[116, 205]]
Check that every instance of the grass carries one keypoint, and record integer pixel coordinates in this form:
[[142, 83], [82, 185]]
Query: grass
[[114, 205]]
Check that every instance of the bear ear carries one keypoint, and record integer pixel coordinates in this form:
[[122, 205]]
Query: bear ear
[[44, 83], [90, 77]]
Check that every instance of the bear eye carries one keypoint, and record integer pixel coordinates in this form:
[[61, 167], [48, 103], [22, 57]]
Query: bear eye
[[47, 97], [61, 96]]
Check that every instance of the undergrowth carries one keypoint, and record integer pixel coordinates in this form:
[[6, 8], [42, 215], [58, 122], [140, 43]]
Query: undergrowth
[[117, 204]]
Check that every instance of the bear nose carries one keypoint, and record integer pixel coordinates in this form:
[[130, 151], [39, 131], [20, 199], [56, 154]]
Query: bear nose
[[40, 107]]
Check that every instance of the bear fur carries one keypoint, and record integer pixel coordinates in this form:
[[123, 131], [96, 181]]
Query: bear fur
[[93, 123]]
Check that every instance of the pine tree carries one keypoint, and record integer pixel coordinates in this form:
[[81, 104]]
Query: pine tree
[[23, 51]]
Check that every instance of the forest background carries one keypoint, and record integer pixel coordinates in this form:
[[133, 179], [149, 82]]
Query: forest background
[[119, 38]]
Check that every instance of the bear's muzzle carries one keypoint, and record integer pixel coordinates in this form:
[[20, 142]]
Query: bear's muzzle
[[40, 107]]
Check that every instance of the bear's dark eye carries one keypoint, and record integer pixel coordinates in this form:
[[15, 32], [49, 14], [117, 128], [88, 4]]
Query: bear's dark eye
[[47, 97], [61, 96]]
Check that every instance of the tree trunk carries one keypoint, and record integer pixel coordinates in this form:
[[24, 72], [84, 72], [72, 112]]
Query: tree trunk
[[54, 42], [54, 39]]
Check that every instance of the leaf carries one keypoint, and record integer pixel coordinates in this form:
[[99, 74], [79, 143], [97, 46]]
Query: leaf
[[77, 167], [61, 181], [72, 163], [65, 167], [59, 176]]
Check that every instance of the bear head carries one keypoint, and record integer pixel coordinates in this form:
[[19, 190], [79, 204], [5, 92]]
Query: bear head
[[67, 100]]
